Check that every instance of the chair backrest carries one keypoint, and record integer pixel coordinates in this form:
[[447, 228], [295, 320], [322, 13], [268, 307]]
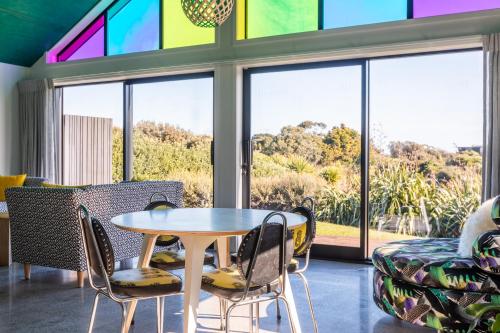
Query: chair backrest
[[160, 205], [303, 236], [265, 252], [99, 252]]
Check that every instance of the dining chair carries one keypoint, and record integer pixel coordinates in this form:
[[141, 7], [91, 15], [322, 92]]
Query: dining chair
[[175, 256], [303, 237], [126, 285], [259, 273]]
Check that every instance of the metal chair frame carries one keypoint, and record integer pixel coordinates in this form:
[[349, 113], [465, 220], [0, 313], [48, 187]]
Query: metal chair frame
[[300, 273], [106, 289], [277, 295]]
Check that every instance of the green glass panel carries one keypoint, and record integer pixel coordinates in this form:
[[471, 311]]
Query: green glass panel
[[280, 17], [179, 31]]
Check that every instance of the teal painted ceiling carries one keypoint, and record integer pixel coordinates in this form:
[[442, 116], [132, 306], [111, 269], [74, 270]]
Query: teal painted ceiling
[[28, 28]]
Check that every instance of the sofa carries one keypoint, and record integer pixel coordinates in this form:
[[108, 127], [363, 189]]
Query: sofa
[[426, 283], [45, 228]]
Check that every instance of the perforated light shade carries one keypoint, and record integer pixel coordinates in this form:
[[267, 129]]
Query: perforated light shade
[[347, 13], [426, 8], [133, 26], [207, 13], [178, 30]]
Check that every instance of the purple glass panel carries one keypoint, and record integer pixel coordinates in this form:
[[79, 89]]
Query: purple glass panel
[[426, 8], [89, 44]]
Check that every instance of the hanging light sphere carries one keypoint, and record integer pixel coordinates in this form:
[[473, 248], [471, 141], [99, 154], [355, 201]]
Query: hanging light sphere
[[207, 13]]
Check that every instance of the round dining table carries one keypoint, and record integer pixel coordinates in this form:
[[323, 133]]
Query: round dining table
[[197, 228]]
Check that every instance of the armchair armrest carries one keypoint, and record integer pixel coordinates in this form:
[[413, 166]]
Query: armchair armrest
[[486, 252]]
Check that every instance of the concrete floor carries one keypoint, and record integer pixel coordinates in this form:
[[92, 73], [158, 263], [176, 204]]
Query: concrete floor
[[49, 302]]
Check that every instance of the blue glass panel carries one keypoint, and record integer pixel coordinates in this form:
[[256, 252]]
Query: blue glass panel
[[133, 26], [346, 13]]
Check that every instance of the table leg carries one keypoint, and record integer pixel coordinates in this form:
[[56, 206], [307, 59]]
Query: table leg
[[195, 247], [291, 302], [148, 246], [223, 259]]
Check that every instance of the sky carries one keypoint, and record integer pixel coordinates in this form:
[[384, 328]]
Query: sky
[[430, 99]]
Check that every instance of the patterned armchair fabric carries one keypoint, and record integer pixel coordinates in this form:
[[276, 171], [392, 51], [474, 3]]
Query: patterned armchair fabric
[[486, 252], [45, 226], [426, 283], [28, 182]]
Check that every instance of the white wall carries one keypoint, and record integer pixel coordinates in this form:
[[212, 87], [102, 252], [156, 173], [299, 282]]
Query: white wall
[[9, 125]]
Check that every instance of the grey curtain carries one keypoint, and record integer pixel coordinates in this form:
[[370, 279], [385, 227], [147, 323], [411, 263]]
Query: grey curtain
[[40, 114]]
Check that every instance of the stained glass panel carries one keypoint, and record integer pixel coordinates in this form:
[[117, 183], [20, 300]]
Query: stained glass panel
[[179, 31], [346, 13], [425, 8], [133, 26], [280, 17], [89, 44]]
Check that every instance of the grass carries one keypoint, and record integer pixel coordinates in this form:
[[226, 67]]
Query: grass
[[330, 229]]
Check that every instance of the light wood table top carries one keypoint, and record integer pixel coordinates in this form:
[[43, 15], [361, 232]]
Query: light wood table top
[[199, 221]]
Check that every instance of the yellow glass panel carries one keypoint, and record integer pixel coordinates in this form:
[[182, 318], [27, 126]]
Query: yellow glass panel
[[240, 19], [178, 31]]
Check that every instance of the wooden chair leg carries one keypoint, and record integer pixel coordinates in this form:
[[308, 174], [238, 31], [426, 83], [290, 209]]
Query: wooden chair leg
[[27, 271], [80, 277]]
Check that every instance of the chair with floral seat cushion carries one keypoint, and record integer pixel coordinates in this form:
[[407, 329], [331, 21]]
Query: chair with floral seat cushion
[[303, 237], [258, 275], [174, 258], [121, 286]]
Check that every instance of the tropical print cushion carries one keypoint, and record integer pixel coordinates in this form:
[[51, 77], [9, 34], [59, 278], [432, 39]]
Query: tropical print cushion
[[441, 309], [486, 252], [145, 282], [175, 259], [229, 283], [433, 263]]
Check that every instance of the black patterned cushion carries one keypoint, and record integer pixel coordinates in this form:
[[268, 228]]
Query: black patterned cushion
[[441, 309], [433, 263], [145, 282], [169, 260], [486, 252], [266, 268], [105, 249]]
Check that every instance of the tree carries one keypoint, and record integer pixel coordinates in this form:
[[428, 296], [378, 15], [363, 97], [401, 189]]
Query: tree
[[302, 140], [342, 144]]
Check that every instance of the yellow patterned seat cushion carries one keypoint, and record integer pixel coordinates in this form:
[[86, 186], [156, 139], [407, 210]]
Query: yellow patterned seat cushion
[[167, 239], [228, 282], [299, 236], [145, 282], [175, 259]]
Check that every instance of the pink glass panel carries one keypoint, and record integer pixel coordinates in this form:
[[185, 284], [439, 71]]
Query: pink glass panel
[[426, 8], [89, 44]]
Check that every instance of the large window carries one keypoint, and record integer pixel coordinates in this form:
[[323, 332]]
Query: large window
[[173, 133], [93, 134], [389, 148], [426, 134], [305, 127]]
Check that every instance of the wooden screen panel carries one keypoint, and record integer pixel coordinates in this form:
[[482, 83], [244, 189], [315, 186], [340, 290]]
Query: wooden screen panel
[[88, 150]]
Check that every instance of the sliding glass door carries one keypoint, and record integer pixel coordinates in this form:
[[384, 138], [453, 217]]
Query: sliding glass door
[[303, 137], [172, 133], [426, 130], [390, 148]]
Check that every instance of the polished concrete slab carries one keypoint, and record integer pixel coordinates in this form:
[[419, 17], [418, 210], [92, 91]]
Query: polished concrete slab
[[49, 302]]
